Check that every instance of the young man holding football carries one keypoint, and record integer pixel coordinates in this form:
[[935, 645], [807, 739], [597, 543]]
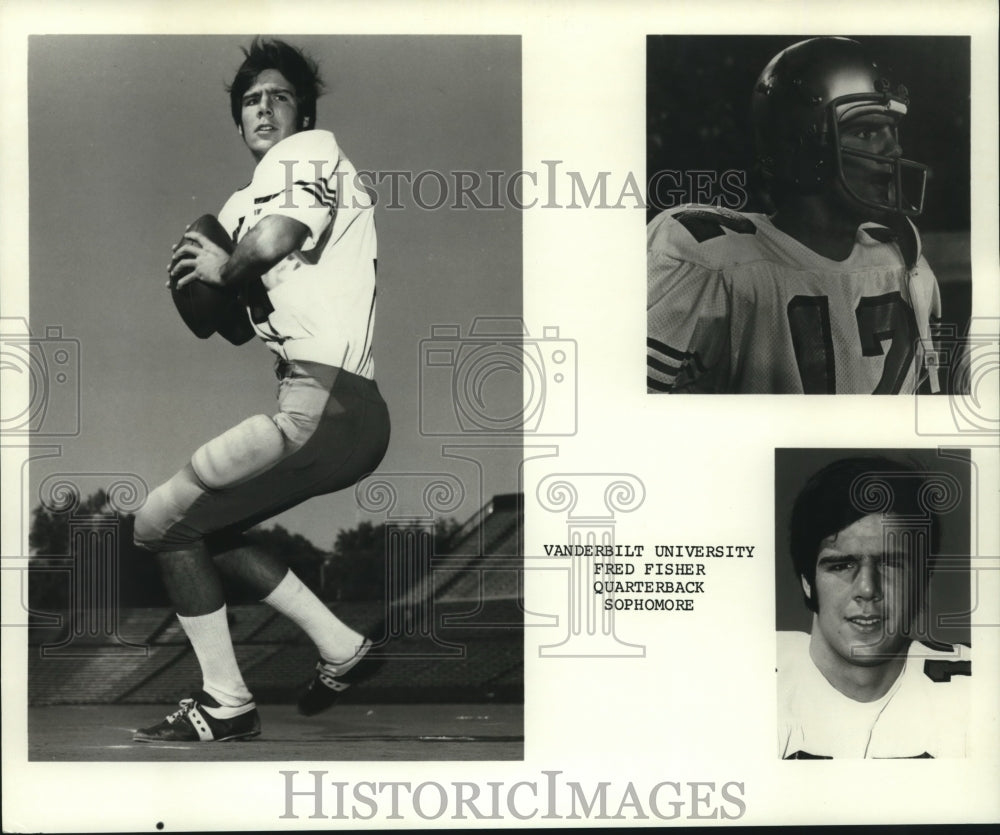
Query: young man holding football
[[302, 270], [829, 294]]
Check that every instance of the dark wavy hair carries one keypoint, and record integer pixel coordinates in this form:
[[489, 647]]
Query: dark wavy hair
[[848, 490], [301, 70]]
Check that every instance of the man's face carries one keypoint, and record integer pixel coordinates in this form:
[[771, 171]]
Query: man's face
[[270, 112], [870, 179], [863, 595]]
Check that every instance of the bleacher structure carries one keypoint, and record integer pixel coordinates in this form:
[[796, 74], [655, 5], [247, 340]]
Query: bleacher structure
[[456, 635]]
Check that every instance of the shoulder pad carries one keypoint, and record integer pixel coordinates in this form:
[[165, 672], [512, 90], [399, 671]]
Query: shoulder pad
[[303, 150], [303, 157], [903, 233], [707, 235], [317, 144]]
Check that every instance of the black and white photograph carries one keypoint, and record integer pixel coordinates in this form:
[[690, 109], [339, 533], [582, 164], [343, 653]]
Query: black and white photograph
[[332, 494], [808, 213], [253, 281], [872, 578]]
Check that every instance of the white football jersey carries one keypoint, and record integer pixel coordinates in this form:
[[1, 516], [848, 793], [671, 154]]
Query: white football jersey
[[737, 306], [318, 303], [924, 714]]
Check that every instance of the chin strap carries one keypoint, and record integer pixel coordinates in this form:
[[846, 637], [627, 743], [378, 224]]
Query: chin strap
[[907, 239], [925, 297]]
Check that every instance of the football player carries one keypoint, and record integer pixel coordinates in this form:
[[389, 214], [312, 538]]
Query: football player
[[862, 540], [829, 294], [303, 266]]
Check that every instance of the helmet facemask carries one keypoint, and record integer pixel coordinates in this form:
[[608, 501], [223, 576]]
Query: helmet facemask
[[804, 104], [907, 178]]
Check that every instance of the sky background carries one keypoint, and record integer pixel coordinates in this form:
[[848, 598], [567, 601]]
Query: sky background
[[130, 139]]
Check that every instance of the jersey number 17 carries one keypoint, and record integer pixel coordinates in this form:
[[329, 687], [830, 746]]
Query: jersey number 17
[[878, 317]]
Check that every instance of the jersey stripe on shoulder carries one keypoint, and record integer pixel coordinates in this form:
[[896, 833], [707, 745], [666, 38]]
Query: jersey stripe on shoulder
[[321, 190], [267, 198], [943, 661], [664, 363], [939, 671], [711, 236]]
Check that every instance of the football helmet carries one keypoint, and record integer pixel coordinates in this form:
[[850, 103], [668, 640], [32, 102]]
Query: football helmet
[[801, 102]]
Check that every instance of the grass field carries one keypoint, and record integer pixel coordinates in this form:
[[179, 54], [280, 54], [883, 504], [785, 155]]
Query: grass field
[[101, 733]]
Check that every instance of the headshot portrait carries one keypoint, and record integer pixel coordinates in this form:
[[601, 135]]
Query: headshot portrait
[[872, 603], [808, 221]]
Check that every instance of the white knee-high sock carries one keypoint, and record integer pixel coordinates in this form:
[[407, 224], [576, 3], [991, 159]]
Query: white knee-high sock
[[221, 677], [335, 641]]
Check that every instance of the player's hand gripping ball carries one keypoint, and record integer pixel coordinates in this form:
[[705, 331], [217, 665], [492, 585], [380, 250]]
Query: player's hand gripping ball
[[201, 305]]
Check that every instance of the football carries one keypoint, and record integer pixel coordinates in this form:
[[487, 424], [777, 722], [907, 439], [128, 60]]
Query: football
[[201, 305]]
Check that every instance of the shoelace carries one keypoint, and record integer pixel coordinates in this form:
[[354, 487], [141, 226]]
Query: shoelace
[[329, 680], [187, 705], [329, 674]]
